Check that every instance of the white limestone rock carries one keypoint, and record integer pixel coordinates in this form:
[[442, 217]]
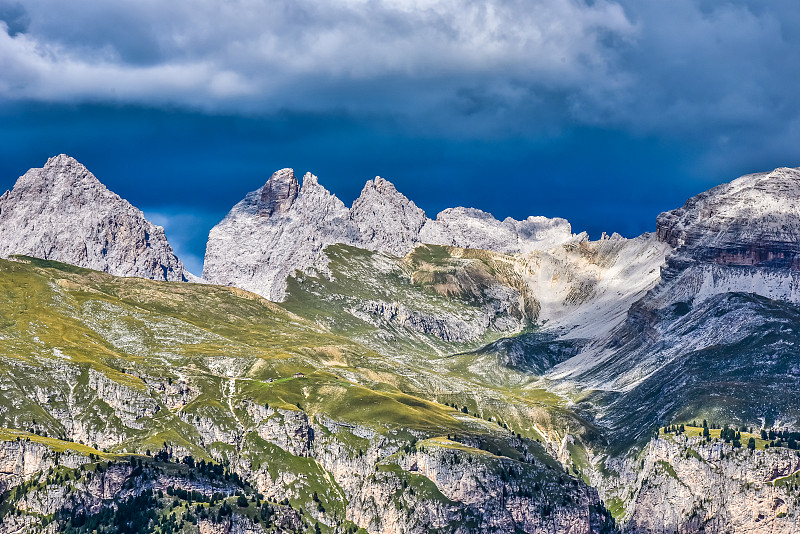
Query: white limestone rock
[[753, 220], [62, 212], [274, 231], [281, 228], [740, 237], [687, 485], [473, 228], [386, 219]]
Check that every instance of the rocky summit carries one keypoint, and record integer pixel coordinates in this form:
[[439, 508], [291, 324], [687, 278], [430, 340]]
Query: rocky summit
[[372, 370], [283, 227], [62, 212]]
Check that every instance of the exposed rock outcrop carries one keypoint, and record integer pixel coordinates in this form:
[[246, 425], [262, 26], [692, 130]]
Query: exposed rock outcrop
[[21, 459], [687, 485], [282, 227], [753, 220], [473, 228], [738, 238], [386, 219], [741, 236], [274, 231], [62, 212]]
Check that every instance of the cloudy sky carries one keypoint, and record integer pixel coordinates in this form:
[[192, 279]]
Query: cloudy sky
[[604, 112]]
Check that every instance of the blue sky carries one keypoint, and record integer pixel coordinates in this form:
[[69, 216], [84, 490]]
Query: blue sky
[[603, 112]]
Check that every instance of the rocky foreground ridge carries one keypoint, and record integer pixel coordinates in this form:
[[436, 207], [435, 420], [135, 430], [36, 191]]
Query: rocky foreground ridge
[[283, 227], [62, 212]]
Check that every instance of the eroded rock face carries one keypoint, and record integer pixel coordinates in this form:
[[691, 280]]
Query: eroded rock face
[[687, 485], [386, 219], [473, 228], [279, 193], [511, 495], [279, 229], [738, 238], [754, 220], [22, 459], [441, 325], [62, 212], [273, 232]]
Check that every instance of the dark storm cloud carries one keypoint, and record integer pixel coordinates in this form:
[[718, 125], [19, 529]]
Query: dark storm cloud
[[474, 68], [261, 56]]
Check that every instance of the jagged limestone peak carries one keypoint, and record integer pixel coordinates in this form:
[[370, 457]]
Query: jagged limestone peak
[[277, 230], [63, 212], [279, 193], [386, 219]]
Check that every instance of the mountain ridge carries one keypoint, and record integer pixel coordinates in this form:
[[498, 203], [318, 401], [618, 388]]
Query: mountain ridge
[[381, 219]]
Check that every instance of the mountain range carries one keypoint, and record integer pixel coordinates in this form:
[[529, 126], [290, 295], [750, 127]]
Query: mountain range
[[369, 368]]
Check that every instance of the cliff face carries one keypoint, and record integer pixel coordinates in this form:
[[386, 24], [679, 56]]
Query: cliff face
[[687, 485], [116, 367], [735, 251], [274, 231], [741, 236], [750, 221], [436, 484], [367, 478], [22, 459], [62, 212]]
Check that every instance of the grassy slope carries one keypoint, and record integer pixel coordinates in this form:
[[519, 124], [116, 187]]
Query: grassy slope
[[432, 280], [437, 280], [65, 328], [61, 325]]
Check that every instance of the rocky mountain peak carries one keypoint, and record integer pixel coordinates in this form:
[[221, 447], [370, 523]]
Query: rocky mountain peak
[[279, 193], [383, 192], [310, 180], [63, 212], [753, 220], [474, 228], [254, 250], [61, 173], [386, 219]]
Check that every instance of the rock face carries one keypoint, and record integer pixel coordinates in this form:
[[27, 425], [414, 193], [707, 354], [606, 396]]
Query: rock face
[[738, 238], [21, 459], [62, 212], [274, 231], [283, 227], [386, 219], [742, 236], [714, 337], [752, 221], [473, 228], [687, 485]]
